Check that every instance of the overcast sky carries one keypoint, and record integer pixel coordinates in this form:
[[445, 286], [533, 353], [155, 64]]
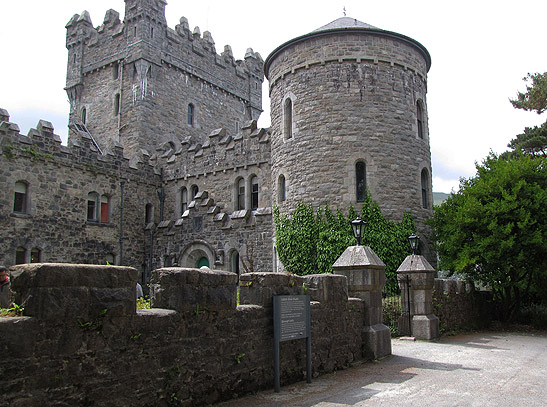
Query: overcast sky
[[480, 52]]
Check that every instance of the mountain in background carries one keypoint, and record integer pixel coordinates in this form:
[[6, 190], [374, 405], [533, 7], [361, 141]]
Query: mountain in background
[[439, 198]]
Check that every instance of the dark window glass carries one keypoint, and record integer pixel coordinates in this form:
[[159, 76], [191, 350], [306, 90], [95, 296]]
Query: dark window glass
[[420, 118], [288, 118], [254, 193], [35, 255], [360, 181], [191, 114], [424, 189], [20, 255], [241, 194]]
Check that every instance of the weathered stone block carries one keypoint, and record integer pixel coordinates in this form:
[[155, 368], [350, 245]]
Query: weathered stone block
[[188, 289], [327, 288], [65, 291], [259, 288]]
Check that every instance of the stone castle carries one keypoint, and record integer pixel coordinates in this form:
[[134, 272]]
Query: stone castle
[[165, 164]]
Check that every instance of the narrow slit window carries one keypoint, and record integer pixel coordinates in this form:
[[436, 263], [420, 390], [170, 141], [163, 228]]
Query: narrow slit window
[[360, 181], [419, 116], [288, 118], [240, 194]]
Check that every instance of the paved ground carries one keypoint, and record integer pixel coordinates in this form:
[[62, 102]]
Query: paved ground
[[482, 369]]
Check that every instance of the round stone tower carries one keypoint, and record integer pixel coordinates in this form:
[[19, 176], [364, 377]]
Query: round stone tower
[[349, 113]]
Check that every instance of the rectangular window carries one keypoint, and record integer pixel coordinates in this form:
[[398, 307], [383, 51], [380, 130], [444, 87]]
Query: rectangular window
[[20, 198], [20, 254]]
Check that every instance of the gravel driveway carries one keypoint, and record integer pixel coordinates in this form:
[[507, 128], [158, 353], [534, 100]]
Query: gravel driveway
[[480, 369]]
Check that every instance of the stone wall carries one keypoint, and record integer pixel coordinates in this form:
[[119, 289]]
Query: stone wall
[[82, 343], [459, 306]]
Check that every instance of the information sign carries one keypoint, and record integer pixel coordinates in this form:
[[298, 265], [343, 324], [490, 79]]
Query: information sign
[[291, 321]]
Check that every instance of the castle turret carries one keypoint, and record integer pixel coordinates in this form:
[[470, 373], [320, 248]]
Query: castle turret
[[349, 113]]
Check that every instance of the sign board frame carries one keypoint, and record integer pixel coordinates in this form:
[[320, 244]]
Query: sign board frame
[[291, 321]]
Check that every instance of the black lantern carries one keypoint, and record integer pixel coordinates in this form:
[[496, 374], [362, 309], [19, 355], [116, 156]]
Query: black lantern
[[358, 226], [414, 242]]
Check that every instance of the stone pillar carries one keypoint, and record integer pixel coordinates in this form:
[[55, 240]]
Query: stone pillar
[[366, 277], [416, 270]]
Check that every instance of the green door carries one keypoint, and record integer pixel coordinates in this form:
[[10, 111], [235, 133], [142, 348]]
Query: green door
[[204, 261]]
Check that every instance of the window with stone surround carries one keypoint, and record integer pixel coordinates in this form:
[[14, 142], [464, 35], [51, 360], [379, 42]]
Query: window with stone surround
[[191, 115], [20, 255], [281, 189], [240, 194], [93, 207], [183, 200], [425, 188], [234, 263], [117, 104], [254, 192], [287, 118], [115, 71], [84, 115], [420, 118], [148, 213], [105, 209], [35, 255], [360, 181], [20, 197]]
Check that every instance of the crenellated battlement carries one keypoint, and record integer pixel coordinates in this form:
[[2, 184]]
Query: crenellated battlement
[[43, 144], [217, 152]]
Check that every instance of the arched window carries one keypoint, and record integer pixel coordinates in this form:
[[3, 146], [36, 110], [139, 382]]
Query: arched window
[[419, 117], [287, 115], [240, 194], [191, 113], [360, 181], [105, 208], [117, 104], [254, 192], [425, 184], [20, 197], [84, 115], [194, 191], [93, 207], [148, 214], [281, 189], [35, 255], [183, 200], [20, 255]]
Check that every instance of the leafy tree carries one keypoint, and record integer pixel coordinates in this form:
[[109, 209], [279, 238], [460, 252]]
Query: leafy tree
[[309, 244], [493, 230], [534, 139]]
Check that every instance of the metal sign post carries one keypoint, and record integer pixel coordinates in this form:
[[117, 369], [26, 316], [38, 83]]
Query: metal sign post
[[291, 321]]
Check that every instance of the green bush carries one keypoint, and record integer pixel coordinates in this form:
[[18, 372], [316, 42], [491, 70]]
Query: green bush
[[534, 315], [309, 243]]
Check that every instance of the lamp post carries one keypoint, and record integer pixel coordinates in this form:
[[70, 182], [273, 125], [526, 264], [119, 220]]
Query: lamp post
[[358, 225], [414, 242]]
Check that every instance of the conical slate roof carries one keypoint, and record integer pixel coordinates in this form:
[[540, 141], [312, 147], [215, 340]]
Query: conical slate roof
[[346, 25], [344, 22]]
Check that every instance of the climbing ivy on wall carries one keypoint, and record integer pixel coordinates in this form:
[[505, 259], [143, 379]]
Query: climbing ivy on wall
[[310, 243]]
